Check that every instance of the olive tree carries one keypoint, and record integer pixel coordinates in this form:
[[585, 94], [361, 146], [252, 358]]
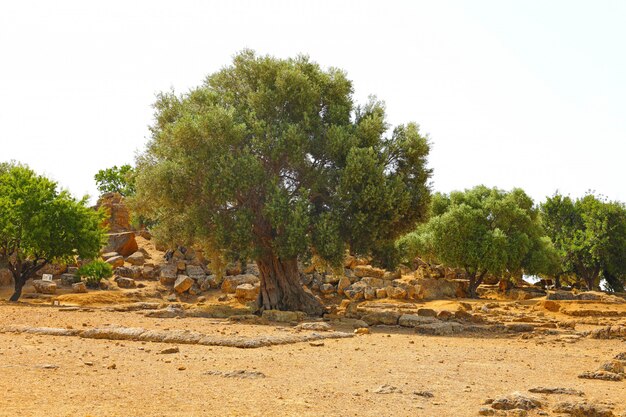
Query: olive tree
[[269, 159], [484, 231], [40, 225], [590, 236]]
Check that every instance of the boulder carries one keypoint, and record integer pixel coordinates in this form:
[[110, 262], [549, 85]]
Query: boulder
[[374, 282], [195, 271], [118, 219], [124, 282], [209, 282], [353, 295], [168, 274], [363, 271], [116, 261], [516, 400], [79, 287], [108, 255], [397, 293], [44, 287], [133, 272], [381, 317], [582, 409], [412, 320], [369, 293], [148, 272], [432, 288], [123, 243], [247, 292], [344, 282], [381, 293], [6, 278], [137, 258], [68, 280], [183, 283], [230, 283], [325, 288], [426, 312], [283, 316]]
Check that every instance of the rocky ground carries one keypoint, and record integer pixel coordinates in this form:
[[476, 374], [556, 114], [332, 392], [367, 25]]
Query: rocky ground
[[127, 354], [167, 336]]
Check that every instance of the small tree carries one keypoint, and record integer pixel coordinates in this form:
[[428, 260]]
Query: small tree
[[120, 180], [93, 272], [270, 160], [39, 224], [483, 231]]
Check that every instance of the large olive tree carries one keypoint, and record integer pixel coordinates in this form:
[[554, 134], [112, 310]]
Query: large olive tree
[[270, 159], [40, 225]]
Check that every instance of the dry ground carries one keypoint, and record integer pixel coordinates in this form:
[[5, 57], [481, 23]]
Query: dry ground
[[337, 379]]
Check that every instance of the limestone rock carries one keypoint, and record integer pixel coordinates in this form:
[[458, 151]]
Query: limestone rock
[[230, 283], [426, 312], [381, 293], [362, 271], [395, 292], [327, 289], [602, 375], [381, 317], [168, 274], [515, 400], [318, 326], [116, 261], [118, 215], [195, 272], [582, 409], [136, 258], [283, 316], [183, 283], [124, 282], [148, 272], [69, 279], [369, 293], [247, 292], [79, 287], [133, 272], [123, 243], [44, 287], [412, 320], [344, 282]]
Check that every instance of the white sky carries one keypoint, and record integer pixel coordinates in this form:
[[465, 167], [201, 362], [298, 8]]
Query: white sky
[[512, 93]]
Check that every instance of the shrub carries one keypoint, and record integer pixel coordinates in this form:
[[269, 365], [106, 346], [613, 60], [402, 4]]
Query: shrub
[[94, 271]]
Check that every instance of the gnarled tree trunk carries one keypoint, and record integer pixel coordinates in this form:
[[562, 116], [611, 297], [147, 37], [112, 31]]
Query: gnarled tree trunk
[[281, 288]]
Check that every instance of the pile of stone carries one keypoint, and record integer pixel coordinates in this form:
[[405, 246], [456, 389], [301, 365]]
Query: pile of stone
[[361, 281]]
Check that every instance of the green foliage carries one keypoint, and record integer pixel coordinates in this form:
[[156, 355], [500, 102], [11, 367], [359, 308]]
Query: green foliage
[[95, 271], [483, 230], [39, 224], [270, 157], [120, 180], [590, 237]]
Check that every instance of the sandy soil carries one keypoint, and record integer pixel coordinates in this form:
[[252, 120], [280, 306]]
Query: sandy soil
[[337, 379]]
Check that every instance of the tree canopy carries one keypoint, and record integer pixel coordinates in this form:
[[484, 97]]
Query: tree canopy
[[484, 231], [120, 180], [271, 159], [590, 236], [40, 225]]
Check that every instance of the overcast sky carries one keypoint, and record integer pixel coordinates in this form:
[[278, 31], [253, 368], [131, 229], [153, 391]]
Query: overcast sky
[[528, 94]]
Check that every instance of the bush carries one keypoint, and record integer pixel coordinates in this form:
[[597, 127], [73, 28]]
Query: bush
[[94, 271]]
